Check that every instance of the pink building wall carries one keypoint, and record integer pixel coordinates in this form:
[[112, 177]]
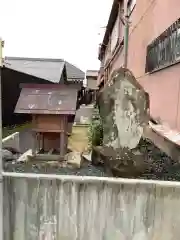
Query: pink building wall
[[148, 20]]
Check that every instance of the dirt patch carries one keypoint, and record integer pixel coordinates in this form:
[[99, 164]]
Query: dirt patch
[[160, 166], [78, 141]]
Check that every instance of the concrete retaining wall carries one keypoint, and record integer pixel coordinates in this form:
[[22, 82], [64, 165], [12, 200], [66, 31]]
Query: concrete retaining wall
[[11, 141], [84, 208], [83, 114]]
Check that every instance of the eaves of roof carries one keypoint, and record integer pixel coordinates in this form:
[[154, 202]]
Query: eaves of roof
[[109, 27]]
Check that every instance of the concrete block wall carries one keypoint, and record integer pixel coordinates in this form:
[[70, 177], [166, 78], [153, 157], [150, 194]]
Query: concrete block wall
[[86, 208]]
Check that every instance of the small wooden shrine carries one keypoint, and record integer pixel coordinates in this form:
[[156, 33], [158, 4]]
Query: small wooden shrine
[[53, 107]]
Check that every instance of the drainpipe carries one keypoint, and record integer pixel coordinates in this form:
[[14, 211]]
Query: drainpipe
[[126, 32], [1, 164]]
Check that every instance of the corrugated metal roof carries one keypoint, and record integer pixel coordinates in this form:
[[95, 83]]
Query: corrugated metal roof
[[45, 68], [47, 100]]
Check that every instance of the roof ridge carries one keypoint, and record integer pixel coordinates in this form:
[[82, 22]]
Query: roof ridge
[[75, 66], [35, 59]]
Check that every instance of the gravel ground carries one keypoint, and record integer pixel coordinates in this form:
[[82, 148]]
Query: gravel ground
[[161, 167], [86, 170]]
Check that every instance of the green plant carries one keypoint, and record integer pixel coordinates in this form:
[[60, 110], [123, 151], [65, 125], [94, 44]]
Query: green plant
[[95, 131]]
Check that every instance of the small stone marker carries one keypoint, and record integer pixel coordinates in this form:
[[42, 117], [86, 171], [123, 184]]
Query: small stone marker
[[74, 159]]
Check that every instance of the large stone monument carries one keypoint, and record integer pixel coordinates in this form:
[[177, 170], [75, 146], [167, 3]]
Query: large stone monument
[[124, 110]]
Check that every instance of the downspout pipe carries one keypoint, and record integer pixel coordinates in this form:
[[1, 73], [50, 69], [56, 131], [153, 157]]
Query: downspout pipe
[[126, 33]]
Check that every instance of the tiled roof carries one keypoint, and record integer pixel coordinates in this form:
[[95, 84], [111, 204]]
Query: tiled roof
[[45, 68], [74, 72]]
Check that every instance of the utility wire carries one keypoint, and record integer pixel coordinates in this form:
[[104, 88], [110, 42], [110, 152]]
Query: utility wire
[[143, 15]]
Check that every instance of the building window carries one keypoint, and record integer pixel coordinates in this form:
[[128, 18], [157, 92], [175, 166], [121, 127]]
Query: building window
[[164, 50], [131, 5]]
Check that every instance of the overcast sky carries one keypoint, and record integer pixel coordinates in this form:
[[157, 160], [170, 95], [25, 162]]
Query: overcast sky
[[67, 29]]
